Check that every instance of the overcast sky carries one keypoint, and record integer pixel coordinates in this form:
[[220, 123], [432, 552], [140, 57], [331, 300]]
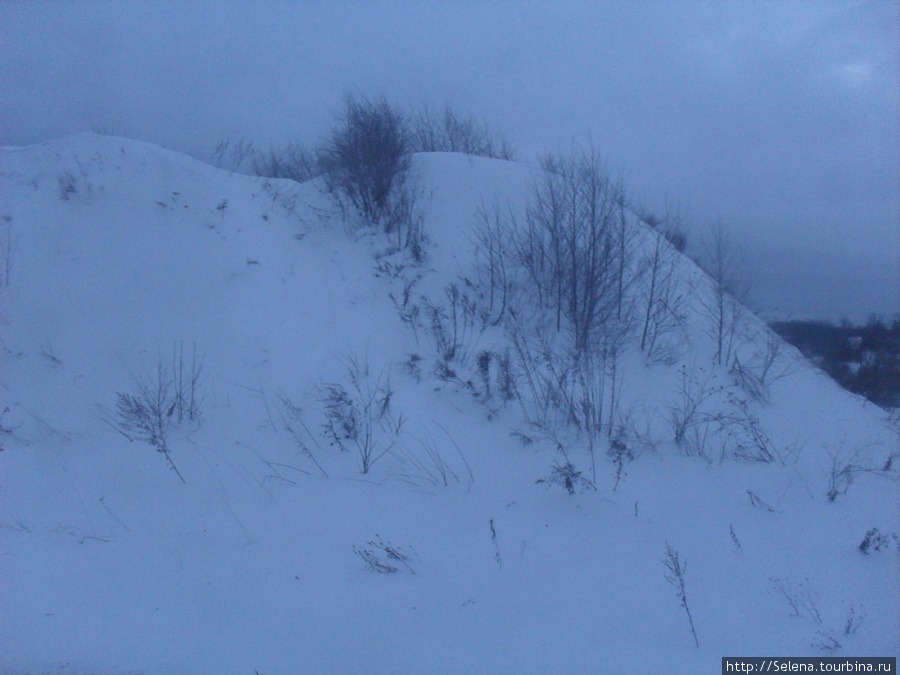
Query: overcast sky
[[779, 118]]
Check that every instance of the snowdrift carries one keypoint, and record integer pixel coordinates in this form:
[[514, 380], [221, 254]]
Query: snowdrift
[[124, 263]]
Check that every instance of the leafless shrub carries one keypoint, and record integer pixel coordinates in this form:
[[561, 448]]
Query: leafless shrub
[[447, 131], [677, 569], [569, 246], [382, 557], [875, 541], [831, 641], [358, 416], [722, 301], [566, 476], [690, 420], [741, 434], [560, 386], [853, 622], [453, 326], [827, 641], [748, 380], [293, 422], [562, 283], [773, 364], [187, 380], [734, 540], [496, 544], [670, 225], [798, 597], [236, 156], [366, 161], [620, 455], [846, 465], [663, 315], [422, 464], [6, 251], [144, 414], [67, 185], [6, 428], [483, 362], [294, 161], [494, 262], [840, 478], [636, 427], [506, 378], [408, 310], [758, 502]]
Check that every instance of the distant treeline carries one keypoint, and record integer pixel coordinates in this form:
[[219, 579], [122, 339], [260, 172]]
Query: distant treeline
[[864, 359]]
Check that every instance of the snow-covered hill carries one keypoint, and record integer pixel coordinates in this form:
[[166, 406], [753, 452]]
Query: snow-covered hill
[[123, 261]]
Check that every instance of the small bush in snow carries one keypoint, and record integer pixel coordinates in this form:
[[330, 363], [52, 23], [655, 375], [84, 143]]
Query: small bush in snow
[[293, 161], [4, 427], [67, 186], [735, 540], [495, 376], [424, 464], [160, 400], [6, 251], [839, 479], [875, 541], [727, 290], [483, 361], [831, 641], [358, 416], [294, 424], [798, 597], [447, 131], [853, 622], [366, 161], [620, 455], [688, 416], [187, 380], [413, 368], [567, 477], [383, 557], [662, 317], [453, 327], [827, 641], [759, 502], [506, 378], [496, 544], [144, 414], [677, 569]]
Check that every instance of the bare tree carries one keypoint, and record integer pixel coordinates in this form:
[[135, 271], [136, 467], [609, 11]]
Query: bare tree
[[568, 246], [724, 262], [495, 267], [663, 293], [561, 280]]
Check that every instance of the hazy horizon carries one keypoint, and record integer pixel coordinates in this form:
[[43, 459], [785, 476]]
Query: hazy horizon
[[778, 119]]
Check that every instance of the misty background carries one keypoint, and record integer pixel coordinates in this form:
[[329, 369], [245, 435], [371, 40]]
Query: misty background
[[779, 119]]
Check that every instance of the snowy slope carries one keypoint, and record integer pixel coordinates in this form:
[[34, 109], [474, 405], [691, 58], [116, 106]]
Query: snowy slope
[[119, 252]]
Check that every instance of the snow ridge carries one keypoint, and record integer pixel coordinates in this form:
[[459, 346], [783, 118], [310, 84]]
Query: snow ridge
[[121, 258]]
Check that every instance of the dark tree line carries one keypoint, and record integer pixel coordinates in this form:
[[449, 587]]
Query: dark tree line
[[864, 359]]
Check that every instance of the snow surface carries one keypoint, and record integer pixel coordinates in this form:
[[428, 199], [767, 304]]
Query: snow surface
[[117, 251]]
